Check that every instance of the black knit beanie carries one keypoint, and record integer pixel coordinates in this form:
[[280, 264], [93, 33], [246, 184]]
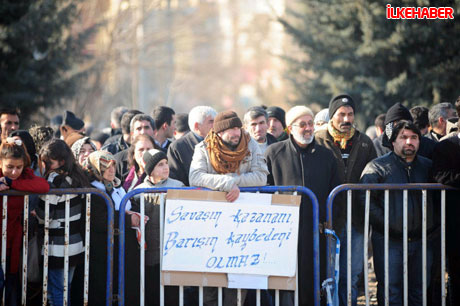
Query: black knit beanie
[[71, 120], [278, 113], [226, 120], [397, 112], [339, 101], [151, 158]]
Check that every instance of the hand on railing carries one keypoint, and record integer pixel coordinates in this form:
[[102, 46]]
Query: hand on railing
[[3, 184], [233, 194]]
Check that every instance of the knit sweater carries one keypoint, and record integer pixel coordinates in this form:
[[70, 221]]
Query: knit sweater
[[57, 205]]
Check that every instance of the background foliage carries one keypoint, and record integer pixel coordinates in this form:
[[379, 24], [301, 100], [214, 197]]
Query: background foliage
[[350, 46], [41, 54]]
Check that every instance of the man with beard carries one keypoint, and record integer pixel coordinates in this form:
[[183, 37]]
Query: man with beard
[[353, 150], [228, 158], [300, 160], [401, 166]]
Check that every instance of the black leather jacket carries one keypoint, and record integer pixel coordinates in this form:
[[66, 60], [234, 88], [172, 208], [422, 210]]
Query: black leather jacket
[[391, 169]]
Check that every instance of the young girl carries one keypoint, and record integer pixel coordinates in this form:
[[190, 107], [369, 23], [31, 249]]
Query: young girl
[[62, 171], [157, 171], [15, 174]]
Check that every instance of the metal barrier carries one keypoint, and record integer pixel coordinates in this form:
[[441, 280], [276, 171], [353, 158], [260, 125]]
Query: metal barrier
[[67, 192], [386, 188], [264, 189]]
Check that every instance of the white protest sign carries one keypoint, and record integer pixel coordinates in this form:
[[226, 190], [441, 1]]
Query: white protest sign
[[223, 237]]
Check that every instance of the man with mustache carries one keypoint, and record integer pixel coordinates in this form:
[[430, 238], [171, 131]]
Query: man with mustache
[[300, 160], [228, 158], [403, 165], [352, 150]]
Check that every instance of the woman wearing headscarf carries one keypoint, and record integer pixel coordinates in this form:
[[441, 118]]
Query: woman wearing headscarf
[[82, 148], [100, 166]]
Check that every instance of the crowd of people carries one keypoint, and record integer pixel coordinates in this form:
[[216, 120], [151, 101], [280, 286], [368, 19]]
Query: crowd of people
[[219, 151]]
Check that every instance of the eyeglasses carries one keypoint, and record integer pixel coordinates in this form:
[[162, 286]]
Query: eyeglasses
[[11, 140], [303, 124]]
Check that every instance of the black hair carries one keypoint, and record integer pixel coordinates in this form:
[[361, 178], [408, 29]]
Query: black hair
[[57, 149], [420, 116], [126, 120], [182, 123], [142, 117], [161, 115], [10, 111]]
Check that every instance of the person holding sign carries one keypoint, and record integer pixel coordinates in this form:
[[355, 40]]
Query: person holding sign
[[301, 160], [228, 158]]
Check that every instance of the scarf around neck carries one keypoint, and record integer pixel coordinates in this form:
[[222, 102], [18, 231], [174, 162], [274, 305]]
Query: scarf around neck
[[340, 137], [223, 159]]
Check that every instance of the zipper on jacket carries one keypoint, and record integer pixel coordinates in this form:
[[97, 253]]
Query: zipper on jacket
[[408, 170], [302, 155]]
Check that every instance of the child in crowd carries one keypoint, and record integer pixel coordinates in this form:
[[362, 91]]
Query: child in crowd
[[62, 171], [16, 174], [157, 175]]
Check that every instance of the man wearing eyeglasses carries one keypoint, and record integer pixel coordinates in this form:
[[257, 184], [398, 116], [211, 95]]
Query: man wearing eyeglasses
[[352, 150], [300, 160]]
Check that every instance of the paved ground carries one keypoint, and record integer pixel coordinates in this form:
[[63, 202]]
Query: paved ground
[[372, 287]]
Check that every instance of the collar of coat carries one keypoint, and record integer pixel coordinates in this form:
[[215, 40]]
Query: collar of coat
[[311, 148]]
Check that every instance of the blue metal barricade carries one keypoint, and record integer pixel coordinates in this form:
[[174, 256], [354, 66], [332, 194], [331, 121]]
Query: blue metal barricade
[[69, 191], [367, 188], [265, 189]]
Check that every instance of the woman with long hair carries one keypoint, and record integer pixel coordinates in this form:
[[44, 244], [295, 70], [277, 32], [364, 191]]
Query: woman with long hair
[[15, 174], [61, 170]]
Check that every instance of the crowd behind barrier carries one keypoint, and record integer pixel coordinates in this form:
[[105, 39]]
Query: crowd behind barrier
[[43, 249], [368, 189], [264, 189], [312, 155], [330, 258]]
